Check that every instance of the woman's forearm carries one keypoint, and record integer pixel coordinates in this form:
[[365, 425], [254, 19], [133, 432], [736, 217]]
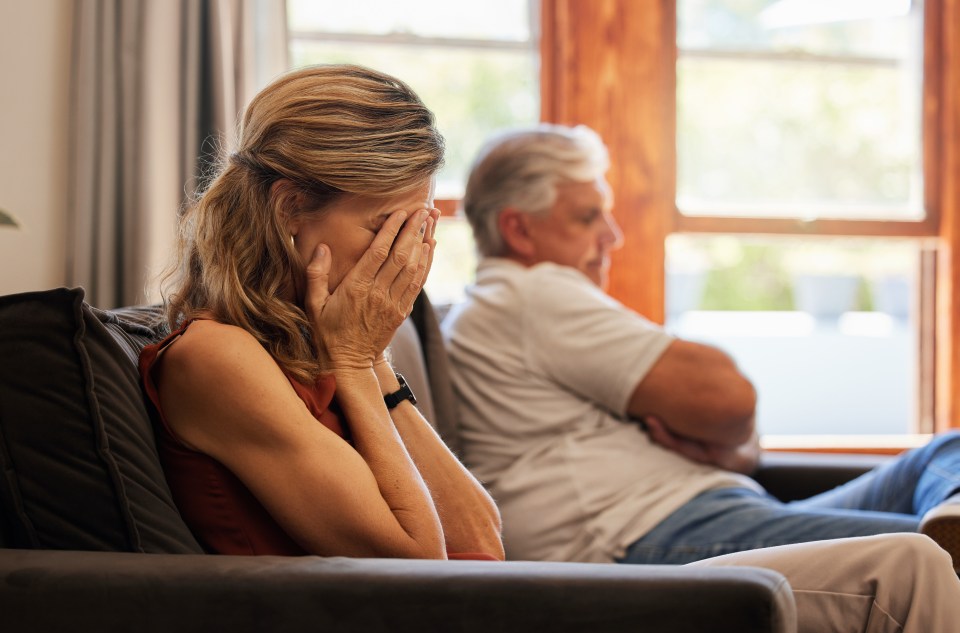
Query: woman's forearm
[[377, 440], [470, 519]]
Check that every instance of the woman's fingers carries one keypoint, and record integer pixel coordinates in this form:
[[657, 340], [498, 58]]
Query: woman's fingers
[[410, 281], [318, 279], [381, 247], [396, 264], [430, 247], [435, 215], [431, 231], [407, 287], [401, 264]]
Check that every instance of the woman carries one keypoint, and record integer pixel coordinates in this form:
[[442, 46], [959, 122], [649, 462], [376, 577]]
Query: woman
[[296, 267]]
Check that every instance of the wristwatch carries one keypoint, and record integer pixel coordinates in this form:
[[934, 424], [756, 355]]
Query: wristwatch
[[401, 394]]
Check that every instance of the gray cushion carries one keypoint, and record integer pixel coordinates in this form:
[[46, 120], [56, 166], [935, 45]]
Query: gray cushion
[[79, 465]]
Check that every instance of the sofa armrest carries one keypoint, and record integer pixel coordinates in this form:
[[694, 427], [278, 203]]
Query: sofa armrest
[[105, 592], [790, 476]]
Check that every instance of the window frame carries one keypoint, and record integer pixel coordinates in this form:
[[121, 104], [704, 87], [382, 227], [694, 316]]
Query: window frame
[[611, 64], [928, 226]]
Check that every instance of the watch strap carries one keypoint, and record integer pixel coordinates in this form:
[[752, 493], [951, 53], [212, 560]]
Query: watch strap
[[401, 394]]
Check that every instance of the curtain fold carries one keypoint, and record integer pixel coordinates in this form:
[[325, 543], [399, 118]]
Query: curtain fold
[[156, 89]]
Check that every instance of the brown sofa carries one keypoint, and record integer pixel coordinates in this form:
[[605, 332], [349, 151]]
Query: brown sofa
[[90, 539]]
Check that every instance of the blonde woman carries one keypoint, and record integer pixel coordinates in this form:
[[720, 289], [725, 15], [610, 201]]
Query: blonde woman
[[282, 428]]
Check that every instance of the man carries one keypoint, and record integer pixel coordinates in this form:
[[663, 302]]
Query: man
[[601, 437]]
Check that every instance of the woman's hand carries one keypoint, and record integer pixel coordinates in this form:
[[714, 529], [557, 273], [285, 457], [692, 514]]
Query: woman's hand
[[354, 324]]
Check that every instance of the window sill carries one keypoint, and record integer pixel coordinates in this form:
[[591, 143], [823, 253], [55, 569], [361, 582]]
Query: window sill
[[865, 444]]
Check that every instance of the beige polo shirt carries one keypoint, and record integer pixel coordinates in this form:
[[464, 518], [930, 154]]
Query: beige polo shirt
[[544, 364]]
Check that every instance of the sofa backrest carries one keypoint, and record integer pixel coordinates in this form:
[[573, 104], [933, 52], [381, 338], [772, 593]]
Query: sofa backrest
[[79, 464], [80, 467]]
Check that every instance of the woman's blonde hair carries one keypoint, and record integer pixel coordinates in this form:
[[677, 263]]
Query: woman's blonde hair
[[324, 131]]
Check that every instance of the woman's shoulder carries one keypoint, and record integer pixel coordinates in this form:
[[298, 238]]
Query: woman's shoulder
[[214, 337], [219, 387], [210, 350], [205, 328]]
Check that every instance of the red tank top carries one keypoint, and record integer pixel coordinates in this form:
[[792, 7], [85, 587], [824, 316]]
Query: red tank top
[[222, 512]]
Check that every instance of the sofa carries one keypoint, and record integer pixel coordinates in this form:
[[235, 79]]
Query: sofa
[[90, 539]]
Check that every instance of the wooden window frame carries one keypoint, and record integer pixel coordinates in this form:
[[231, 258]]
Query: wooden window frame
[[611, 64]]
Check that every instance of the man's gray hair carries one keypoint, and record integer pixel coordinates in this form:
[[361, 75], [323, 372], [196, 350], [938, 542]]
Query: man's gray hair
[[520, 169]]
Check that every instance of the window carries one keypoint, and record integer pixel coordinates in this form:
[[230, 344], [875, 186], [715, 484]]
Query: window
[[808, 108], [805, 113], [476, 65], [827, 329], [613, 65]]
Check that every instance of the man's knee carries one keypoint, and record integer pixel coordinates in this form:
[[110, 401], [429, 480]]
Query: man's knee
[[920, 549], [947, 438]]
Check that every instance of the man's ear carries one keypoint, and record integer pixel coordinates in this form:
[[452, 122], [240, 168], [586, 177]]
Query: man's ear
[[514, 228]]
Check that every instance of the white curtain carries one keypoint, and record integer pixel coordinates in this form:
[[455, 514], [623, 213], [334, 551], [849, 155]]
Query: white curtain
[[156, 89]]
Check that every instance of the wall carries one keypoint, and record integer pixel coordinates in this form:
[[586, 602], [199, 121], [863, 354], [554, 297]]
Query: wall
[[34, 74]]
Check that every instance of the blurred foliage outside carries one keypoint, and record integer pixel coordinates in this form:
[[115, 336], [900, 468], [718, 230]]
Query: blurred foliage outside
[[741, 273], [811, 120]]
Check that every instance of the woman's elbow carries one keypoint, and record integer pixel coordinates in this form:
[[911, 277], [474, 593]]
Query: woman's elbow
[[491, 546], [494, 545], [487, 537]]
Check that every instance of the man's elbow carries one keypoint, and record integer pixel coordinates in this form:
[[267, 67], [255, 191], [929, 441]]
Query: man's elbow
[[739, 409]]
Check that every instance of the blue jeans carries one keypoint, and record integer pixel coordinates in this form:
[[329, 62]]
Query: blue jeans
[[890, 498]]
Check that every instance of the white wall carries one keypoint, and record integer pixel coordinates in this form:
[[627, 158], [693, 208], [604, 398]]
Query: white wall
[[34, 82]]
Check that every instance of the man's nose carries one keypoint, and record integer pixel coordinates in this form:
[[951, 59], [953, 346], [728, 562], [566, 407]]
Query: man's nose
[[611, 233]]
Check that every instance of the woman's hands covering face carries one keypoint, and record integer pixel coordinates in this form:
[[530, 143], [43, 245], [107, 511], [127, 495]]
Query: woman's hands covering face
[[355, 323]]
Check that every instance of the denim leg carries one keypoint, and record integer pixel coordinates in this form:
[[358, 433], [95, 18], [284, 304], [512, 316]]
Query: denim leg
[[911, 484], [737, 519]]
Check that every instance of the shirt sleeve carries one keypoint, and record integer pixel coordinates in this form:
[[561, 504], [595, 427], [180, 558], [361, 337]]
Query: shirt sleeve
[[584, 340]]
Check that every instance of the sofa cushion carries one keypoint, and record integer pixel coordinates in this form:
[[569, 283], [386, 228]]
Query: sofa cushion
[[79, 465]]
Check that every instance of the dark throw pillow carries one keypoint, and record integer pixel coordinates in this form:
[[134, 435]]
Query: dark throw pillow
[[79, 465]]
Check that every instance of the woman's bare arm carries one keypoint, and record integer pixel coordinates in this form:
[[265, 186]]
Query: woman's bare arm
[[226, 397], [470, 519]]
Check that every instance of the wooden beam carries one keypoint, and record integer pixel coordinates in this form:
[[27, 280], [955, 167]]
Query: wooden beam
[[611, 65], [943, 182]]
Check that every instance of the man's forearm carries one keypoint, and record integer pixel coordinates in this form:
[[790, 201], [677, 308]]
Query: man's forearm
[[741, 458], [699, 393]]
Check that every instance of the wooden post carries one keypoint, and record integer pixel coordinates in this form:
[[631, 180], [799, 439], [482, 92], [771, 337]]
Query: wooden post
[[943, 182], [611, 65]]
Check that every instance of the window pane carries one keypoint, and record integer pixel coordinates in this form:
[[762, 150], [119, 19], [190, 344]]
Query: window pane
[[826, 330], [472, 94], [505, 20], [799, 117], [864, 28]]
